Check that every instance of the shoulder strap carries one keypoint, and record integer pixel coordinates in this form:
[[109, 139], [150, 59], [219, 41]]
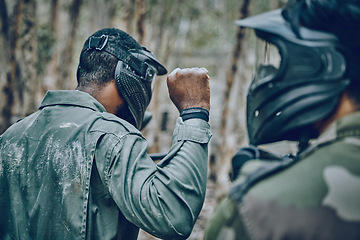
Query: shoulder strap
[[270, 164]]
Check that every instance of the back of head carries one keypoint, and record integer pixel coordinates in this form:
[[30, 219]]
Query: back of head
[[98, 67], [111, 54], [339, 17]]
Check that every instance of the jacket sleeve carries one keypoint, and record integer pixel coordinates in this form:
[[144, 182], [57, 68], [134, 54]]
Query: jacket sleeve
[[163, 199]]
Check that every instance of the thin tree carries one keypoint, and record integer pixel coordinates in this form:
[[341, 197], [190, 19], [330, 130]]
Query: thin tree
[[129, 16], [9, 68], [140, 20], [221, 162], [29, 58], [64, 67]]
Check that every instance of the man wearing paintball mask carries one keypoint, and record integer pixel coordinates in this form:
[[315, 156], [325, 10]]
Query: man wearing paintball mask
[[309, 90], [78, 167]]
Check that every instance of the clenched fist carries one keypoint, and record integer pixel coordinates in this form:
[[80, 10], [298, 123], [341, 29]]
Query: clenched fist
[[189, 87]]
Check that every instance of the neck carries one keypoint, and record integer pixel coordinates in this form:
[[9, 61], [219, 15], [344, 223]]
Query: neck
[[107, 95], [345, 107]]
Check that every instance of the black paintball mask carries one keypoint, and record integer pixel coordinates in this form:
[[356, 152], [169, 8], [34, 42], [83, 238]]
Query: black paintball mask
[[298, 81], [135, 73]]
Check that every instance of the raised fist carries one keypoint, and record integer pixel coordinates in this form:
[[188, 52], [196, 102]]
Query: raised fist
[[189, 87]]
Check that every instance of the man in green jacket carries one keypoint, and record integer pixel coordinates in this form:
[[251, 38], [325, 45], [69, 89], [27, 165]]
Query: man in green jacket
[[78, 168], [309, 90]]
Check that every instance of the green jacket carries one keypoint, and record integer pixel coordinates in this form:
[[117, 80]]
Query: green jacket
[[315, 197], [71, 170]]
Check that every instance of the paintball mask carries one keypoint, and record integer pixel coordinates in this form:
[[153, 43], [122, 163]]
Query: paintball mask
[[298, 81], [134, 75]]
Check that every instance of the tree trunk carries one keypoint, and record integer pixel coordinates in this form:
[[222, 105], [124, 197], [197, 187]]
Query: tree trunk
[[65, 67], [29, 81], [4, 19], [103, 12], [11, 70], [140, 19], [4, 35], [50, 79], [154, 126], [129, 16], [222, 164], [168, 13]]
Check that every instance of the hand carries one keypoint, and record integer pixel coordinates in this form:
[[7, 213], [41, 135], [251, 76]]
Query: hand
[[189, 87]]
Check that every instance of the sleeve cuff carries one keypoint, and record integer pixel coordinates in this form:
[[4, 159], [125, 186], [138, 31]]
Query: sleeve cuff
[[194, 129]]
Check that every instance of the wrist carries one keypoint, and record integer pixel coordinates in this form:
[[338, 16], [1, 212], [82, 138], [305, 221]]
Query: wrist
[[195, 112]]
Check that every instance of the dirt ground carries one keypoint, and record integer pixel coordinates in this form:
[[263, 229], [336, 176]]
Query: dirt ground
[[198, 231]]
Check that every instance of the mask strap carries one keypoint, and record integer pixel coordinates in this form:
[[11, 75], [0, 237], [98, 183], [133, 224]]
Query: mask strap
[[104, 43]]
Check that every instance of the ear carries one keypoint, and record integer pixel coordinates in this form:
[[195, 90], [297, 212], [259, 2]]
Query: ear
[[109, 96]]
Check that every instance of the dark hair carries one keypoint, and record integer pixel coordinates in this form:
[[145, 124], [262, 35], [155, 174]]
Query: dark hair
[[98, 67], [339, 17]]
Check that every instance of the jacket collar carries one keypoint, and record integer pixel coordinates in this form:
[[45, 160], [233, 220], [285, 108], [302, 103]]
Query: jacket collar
[[347, 126], [72, 98]]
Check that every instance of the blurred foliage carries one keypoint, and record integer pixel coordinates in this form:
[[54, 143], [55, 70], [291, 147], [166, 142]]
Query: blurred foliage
[[172, 29], [211, 21], [46, 42]]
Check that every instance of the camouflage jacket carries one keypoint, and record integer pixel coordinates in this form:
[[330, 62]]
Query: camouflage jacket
[[314, 197], [73, 171]]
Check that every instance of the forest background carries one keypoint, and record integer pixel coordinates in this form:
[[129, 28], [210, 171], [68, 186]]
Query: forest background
[[41, 40]]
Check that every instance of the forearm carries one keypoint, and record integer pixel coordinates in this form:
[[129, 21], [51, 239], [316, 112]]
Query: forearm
[[165, 199], [178, 188]]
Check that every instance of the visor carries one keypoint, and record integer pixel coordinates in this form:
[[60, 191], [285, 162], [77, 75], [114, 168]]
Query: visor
[[274, 22], [146, 56], [154, 66]]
